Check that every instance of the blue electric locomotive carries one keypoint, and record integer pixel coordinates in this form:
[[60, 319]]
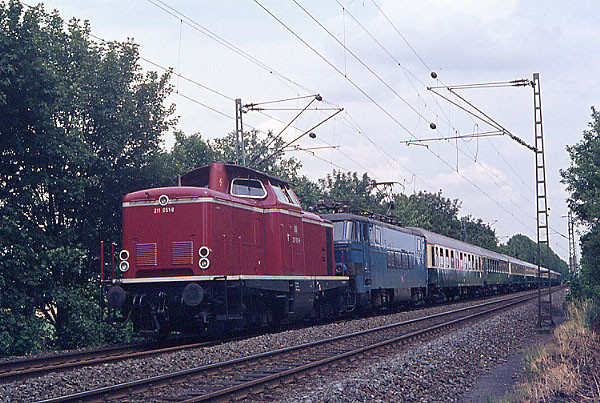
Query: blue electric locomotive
[[386, 263]]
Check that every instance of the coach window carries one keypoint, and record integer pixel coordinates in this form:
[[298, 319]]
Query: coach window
[[404, 261], [250, 188]]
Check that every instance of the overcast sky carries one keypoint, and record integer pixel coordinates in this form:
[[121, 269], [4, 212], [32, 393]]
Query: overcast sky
[[462, 41]]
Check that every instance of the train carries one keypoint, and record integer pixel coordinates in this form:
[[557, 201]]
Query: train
[[232, 248]]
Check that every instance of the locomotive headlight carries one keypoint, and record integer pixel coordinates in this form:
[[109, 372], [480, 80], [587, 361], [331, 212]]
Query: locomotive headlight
[[124, 266], [124, 254], [204, 263], [163, 200], [204, 251]]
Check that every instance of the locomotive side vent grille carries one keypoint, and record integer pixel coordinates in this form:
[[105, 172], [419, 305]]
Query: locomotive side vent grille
[[182, 252], [145, 254]]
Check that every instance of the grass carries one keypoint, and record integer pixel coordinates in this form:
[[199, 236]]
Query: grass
[[568, 368]]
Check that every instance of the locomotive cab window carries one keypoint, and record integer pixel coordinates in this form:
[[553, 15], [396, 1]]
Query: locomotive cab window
[[294, 199], [345, 231], [375, 235], [250, 188], [282, 195]]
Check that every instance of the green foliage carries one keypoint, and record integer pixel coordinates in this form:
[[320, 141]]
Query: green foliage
[[188, 152], [430, 211], [261, 154], [21, 333], [80, 126], [587, 282], [583, 182], [583, 177], [522, 247], [357, 192]]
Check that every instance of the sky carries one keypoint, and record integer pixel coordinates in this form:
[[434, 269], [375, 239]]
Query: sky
[[380, 79]]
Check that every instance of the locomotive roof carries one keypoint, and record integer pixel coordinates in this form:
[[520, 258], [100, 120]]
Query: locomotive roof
[[200, 170], [446, 241], [355, 217]]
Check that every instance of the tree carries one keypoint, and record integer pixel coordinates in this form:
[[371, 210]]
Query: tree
[[357, 192], [430, 211], [80, 125], [524, 248], [583, 182], [188, 152]]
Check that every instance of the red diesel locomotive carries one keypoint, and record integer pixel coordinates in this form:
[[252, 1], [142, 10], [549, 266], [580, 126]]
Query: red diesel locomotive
[[230, 247]]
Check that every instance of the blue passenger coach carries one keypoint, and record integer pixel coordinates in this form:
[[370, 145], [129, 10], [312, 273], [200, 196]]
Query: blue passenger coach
[[385, 262]]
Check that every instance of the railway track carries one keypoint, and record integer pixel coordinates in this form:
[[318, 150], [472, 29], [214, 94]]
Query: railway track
[[32, 366], [35, 366], [252, 374]]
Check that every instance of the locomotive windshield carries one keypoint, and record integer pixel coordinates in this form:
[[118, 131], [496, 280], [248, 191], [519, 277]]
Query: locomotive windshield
[[345, 231], [285, 194]]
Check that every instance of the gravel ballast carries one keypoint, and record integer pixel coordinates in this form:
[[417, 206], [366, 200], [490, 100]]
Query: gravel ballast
[[85, 378], [440, 370]]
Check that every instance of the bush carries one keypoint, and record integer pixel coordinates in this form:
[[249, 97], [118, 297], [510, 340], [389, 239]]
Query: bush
[[21, 334], [568, 368]]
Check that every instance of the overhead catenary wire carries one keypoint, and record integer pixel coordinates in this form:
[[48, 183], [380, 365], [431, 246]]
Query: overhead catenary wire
[[407, 71], [224, 42], [291, 81], [386, 112], [253, 104], [388, 19], [295, 83], [362, 63], [370, 70], [210, 34], [205, 105], [401, 36]]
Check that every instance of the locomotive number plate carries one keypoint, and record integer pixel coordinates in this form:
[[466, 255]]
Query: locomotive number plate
[[161, 210]]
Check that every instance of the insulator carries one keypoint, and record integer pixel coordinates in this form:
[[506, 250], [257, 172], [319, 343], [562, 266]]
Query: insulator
[[432, 125], [433, 75]]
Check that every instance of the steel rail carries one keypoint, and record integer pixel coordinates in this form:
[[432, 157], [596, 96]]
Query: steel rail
[[29, 366], [136, 386], [20, 368], [347, 354]]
